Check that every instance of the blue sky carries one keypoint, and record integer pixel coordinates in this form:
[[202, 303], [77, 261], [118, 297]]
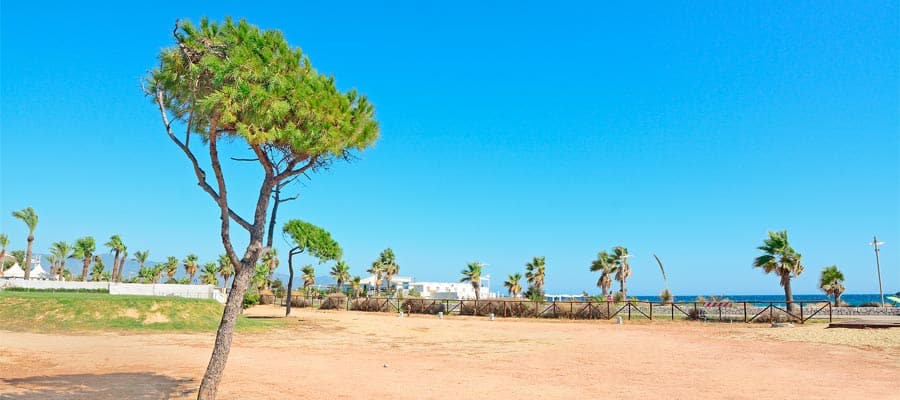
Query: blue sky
[[508, 131]]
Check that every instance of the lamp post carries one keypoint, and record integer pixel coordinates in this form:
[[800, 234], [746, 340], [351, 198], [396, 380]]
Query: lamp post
[[875, 243]]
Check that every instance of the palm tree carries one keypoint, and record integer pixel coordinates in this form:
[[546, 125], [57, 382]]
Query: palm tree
[[389, 265], [341, 273], [780, 258], [226, 268], [606, 266], [260, 274], [190, 266], [535, 272], [4, 242], [472, 274], [512, 284], [122, 258], [145, 274], [84, 249], [97, 269], [832, 283], [61, 251], [356, 285], [141, 257], [623, 270], [30, 218], [376, 270], [208, 274], [270, 258], [115, 244], [309, 278], [171, 267]]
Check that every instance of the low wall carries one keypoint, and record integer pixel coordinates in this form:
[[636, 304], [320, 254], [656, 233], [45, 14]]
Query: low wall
[[136, 289], [49, 285]]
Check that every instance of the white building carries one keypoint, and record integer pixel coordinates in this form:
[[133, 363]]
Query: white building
[[449, 290], [399, 282]]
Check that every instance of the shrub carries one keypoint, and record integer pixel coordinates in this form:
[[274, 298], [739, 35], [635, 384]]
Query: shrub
[[695, 314], [870, 304], [369, 304], [777, 317], [334, 301], [299, 301], [250, 299], [423, 306]]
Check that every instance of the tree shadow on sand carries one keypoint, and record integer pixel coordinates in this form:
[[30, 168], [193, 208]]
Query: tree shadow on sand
[[138, 385]]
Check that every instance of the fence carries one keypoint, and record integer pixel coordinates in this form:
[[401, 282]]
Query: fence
[[738, 311]]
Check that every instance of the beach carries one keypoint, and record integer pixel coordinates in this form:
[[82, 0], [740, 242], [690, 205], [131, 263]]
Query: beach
[[347, 355]]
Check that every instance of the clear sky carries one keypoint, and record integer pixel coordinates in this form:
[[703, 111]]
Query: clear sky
[[508, 131]]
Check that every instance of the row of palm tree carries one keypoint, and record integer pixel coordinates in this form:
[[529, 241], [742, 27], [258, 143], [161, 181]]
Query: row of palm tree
[[778, 257]]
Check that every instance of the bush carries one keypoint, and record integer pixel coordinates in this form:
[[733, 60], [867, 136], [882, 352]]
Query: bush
[[695, 314], [422, 306], [299, 301], [777, 317], [369, 304], [334, 301], [870, 304], [250, 300]]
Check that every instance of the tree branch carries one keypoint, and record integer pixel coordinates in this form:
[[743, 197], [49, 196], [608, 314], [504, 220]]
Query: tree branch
[[201, 175], [223, 194]]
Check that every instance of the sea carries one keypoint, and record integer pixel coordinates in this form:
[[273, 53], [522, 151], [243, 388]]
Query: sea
[[852, 299]]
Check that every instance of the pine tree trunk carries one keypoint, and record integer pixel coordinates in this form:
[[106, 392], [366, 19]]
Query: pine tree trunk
[[287, 311], [28, 257], [224, 335]]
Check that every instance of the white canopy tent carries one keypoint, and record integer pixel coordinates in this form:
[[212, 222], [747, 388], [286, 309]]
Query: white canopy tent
[[14, 272], [37, 272]]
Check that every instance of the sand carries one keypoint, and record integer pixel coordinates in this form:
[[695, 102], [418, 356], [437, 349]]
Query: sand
[[349, 355]]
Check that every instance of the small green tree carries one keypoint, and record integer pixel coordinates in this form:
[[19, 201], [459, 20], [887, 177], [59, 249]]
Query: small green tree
[[312, 240], [171, 268], [4, 242], [97, 269], [472, 274], [84, 249], [115, 244], [30, 218], [389, 266], [535, 273], [512, 284], [226, 269], [832, 283], [782, 260], [209, 274], [341, 273], [190, 266], [356, 286], [604, 264], [309, 277]]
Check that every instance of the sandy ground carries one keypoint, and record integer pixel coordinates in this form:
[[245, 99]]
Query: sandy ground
[[348, 355]]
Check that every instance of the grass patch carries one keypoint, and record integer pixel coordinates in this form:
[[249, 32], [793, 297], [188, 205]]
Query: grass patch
[[91, 312]]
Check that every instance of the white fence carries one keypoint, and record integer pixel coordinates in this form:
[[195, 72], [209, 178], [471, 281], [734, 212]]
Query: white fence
[[136, 289]]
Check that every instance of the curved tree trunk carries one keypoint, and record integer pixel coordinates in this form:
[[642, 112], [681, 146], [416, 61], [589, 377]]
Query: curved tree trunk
[[225, 333], [27, 265], [115, 267], [287, 311], [837, 299]]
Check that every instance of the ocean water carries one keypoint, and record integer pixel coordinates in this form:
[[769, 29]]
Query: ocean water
[[851, 299]]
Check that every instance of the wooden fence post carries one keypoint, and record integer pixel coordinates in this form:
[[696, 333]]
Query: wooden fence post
[[745, 312]]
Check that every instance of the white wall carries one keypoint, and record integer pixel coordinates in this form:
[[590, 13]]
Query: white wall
[[137, 289], [41, 284]]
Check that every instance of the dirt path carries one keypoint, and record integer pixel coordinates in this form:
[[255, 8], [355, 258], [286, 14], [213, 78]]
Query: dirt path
[[346, 355]]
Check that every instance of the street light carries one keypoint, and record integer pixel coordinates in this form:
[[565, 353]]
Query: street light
[[875, 243]]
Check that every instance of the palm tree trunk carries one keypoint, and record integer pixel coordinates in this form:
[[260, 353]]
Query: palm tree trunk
[[28, 256], [622, 286], [115, 266], [84, 271], [788, 294], [837, 299]]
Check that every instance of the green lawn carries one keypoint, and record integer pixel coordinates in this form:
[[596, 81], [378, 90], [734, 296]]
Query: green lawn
[[91, 312]]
